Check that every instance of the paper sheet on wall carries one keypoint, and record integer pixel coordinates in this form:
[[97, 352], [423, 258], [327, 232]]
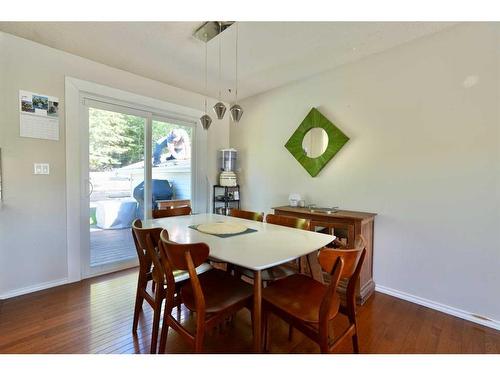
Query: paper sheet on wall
[[38, 116]]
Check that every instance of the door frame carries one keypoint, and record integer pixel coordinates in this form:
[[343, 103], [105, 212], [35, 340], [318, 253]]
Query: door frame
[[77, 91], [89, 101]]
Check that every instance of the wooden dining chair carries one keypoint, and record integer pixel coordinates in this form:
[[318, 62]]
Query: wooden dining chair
[[279, 272], [151, 269], [214, 296], [310, 306], [169, 212], [144, 240], [249, 215], [289, 221]]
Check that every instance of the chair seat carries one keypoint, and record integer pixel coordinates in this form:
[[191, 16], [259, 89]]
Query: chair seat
[[220, 291], [271, 274], [184, 275], [297, 295]]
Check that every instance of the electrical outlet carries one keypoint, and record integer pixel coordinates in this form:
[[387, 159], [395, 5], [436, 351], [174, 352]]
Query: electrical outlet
[[41, 168]]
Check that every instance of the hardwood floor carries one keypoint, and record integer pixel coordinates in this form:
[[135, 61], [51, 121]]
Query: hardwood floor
[[95, 316]]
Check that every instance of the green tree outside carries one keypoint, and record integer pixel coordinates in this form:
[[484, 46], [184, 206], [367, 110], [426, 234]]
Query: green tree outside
[[116, 139]]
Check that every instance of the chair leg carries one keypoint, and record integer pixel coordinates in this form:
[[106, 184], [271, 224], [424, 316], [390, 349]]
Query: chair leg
[[139, 299], [323, 329], [236, 272], [156, 320], [164, 331], [200, 332], [251, 318], [198, 341], [290, 332], [355, 342], [265, 326], [352, 320]]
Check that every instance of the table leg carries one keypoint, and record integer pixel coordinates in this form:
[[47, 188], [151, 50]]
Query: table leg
[[257, 310], [315, 267]]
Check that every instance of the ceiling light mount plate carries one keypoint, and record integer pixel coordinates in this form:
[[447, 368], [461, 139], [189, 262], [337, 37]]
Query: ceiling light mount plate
[[211, 29]]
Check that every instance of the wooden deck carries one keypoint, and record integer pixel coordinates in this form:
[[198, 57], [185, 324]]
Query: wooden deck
[[95, 316], [111, 245]]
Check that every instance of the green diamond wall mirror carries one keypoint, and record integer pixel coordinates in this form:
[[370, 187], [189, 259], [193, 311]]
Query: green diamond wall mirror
[[315, 142]]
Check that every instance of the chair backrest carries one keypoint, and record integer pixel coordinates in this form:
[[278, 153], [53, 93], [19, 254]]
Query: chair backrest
[[353, 262], [331, 300], [351, 257], [144, 258], [289, 221], [185, 257], [168, 212], [146, 243], [249, 215]]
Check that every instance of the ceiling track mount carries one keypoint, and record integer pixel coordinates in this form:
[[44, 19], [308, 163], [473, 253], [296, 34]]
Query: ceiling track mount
[[210, 30]]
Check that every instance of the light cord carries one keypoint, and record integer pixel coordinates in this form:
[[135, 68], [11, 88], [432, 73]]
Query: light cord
[[236, 62], [220, 63], [206, 74]]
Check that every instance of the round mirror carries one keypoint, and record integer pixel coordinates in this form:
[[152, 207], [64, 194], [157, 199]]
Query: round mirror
[[315, 142]]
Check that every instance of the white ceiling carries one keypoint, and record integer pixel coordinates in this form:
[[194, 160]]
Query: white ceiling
[[271, 54]]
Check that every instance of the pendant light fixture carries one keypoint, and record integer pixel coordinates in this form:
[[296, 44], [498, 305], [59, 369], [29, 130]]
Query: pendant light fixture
[[236, 110], [220, 108], [205, 120]]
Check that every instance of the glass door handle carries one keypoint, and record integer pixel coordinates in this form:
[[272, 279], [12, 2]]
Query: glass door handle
[[91, 189]]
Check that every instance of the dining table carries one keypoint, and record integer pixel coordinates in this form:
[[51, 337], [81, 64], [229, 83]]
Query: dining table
[[266, 246]]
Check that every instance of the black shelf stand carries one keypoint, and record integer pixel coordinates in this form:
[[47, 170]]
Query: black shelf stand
[[224, 199]]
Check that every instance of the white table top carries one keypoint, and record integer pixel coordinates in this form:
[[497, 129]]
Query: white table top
[[271, 245]]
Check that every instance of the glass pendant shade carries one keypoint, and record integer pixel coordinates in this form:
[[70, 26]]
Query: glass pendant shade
[[220, 110], [236, 112], [205, 121]]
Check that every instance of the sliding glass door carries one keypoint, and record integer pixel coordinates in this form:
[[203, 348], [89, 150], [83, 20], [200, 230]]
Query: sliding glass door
[[171, 161], [122, 185], [116, 173]]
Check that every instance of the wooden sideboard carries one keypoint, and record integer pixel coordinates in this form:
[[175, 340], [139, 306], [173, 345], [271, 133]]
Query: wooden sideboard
[[351, 223]]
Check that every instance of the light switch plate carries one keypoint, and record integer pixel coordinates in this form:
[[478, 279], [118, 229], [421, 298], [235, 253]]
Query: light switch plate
[[41, 168]]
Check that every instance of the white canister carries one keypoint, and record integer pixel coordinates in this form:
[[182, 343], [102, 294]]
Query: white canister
[[294, 199]]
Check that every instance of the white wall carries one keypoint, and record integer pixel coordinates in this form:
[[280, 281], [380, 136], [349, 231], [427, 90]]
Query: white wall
[[423, 154], [33, 216]]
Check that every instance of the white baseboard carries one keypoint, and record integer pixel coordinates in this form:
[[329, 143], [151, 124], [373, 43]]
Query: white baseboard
[[33, 288], [440, 307], [66, 280]]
